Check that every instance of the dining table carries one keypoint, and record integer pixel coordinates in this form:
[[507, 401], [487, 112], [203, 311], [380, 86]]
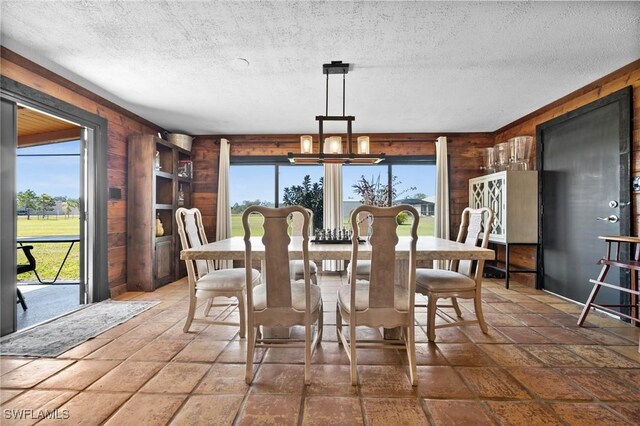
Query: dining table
[[428, 248]]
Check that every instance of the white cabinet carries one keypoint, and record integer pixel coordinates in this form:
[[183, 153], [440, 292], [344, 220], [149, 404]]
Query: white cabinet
[[513, 197]]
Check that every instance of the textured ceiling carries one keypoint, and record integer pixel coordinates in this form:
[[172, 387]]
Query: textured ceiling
[[255, 67]]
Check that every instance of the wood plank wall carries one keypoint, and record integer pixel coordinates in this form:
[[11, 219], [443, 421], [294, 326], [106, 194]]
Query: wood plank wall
[[626, 76], [463, 148], [121, 124]]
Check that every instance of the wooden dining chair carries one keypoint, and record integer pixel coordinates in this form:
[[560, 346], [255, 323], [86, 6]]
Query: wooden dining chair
[[296, 265], [206, 283], [463, 279], [278, 301], [364, 266], [387, 299]]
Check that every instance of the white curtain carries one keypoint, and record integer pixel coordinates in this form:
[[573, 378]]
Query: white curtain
[[223, 217], [441, 227], [332, 207]]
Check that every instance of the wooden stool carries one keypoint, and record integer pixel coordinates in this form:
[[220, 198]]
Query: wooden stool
[[633, 265]]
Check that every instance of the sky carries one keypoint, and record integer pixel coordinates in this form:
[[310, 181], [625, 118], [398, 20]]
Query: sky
[[56, 176], [249, 183]]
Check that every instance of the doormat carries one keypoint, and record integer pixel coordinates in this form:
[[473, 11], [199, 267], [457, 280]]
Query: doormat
[[61, 334]]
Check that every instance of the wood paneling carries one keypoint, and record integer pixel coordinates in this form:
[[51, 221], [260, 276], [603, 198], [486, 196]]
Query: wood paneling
[[122, 124], [626, 76], [463, 148]]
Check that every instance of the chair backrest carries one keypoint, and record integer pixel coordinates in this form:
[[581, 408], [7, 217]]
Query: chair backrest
[[297, 221], [474, 231], [192, 235], [383, 241], [276, 239]]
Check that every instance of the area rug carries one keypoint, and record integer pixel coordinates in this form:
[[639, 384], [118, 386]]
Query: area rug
[[58, 336]]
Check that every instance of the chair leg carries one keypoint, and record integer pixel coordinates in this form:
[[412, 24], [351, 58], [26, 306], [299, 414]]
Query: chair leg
[[21, 300], [431, 317], [320, 324], [307, 354], [477, 303], [190, 315], [592, 296], [207, 307], [251, 345], [352, 350], [410, 343], [243, 314], [338, 325], [456, 307]]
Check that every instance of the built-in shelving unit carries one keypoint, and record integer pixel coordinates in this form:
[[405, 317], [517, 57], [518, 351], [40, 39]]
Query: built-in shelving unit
[[159, 181]]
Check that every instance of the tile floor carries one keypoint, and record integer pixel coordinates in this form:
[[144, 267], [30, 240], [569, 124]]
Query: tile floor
[[534, 367]]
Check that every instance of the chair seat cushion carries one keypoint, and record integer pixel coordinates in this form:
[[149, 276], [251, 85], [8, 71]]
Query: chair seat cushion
[[297, 267], [226, 279], [297, 296], [442, 280], [362, 268], [400, 302]]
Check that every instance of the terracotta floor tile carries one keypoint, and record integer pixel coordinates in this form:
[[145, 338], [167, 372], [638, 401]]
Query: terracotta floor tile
[[563, 336], [631, 411], [270, 409], [385, 380], [30, 374], [523, 335], [580, 414], [492, 383], [510, 356], [224, 379], [219, 332], [337, 410], [510, 308], [475, 334], [79, 375], [8, 394], [631, 375], [330, 353], [119, 348], [16, 412], [539, 308], [200, 350], [236, 352], [448, 335], [144, 409], [379, 356], [603, 357], [602, 384], [441, 382], [84, 349], [279, 379], [393, 411], [127, 377], [523, 413], [284, 356], [208, 410], [467, 354], [630, 352], [501, 320], [148, 330], [83, 409], [176, 377], [119, 330], [601, 336], [566, 320], [331, 380], [556, 356], [7, 364], [547, 383], [630, 333], [452, 412], [159, 350], [535, 320], [429, 354]]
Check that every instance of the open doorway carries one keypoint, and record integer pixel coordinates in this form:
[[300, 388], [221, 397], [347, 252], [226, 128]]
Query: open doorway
[[93, 208], [49, 187]]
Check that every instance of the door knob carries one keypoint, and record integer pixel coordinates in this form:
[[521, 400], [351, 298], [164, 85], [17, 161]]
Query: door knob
[[613, 204], [611, 218]]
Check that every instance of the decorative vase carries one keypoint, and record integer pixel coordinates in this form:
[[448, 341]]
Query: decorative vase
[[159, 228]]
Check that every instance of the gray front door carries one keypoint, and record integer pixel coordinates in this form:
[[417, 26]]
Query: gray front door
[[584, 160]]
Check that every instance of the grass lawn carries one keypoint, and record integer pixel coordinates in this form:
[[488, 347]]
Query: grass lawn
[[425, 227], [49, 255]]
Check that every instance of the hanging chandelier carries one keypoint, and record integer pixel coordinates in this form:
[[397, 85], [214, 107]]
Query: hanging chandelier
[[330, 149]]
